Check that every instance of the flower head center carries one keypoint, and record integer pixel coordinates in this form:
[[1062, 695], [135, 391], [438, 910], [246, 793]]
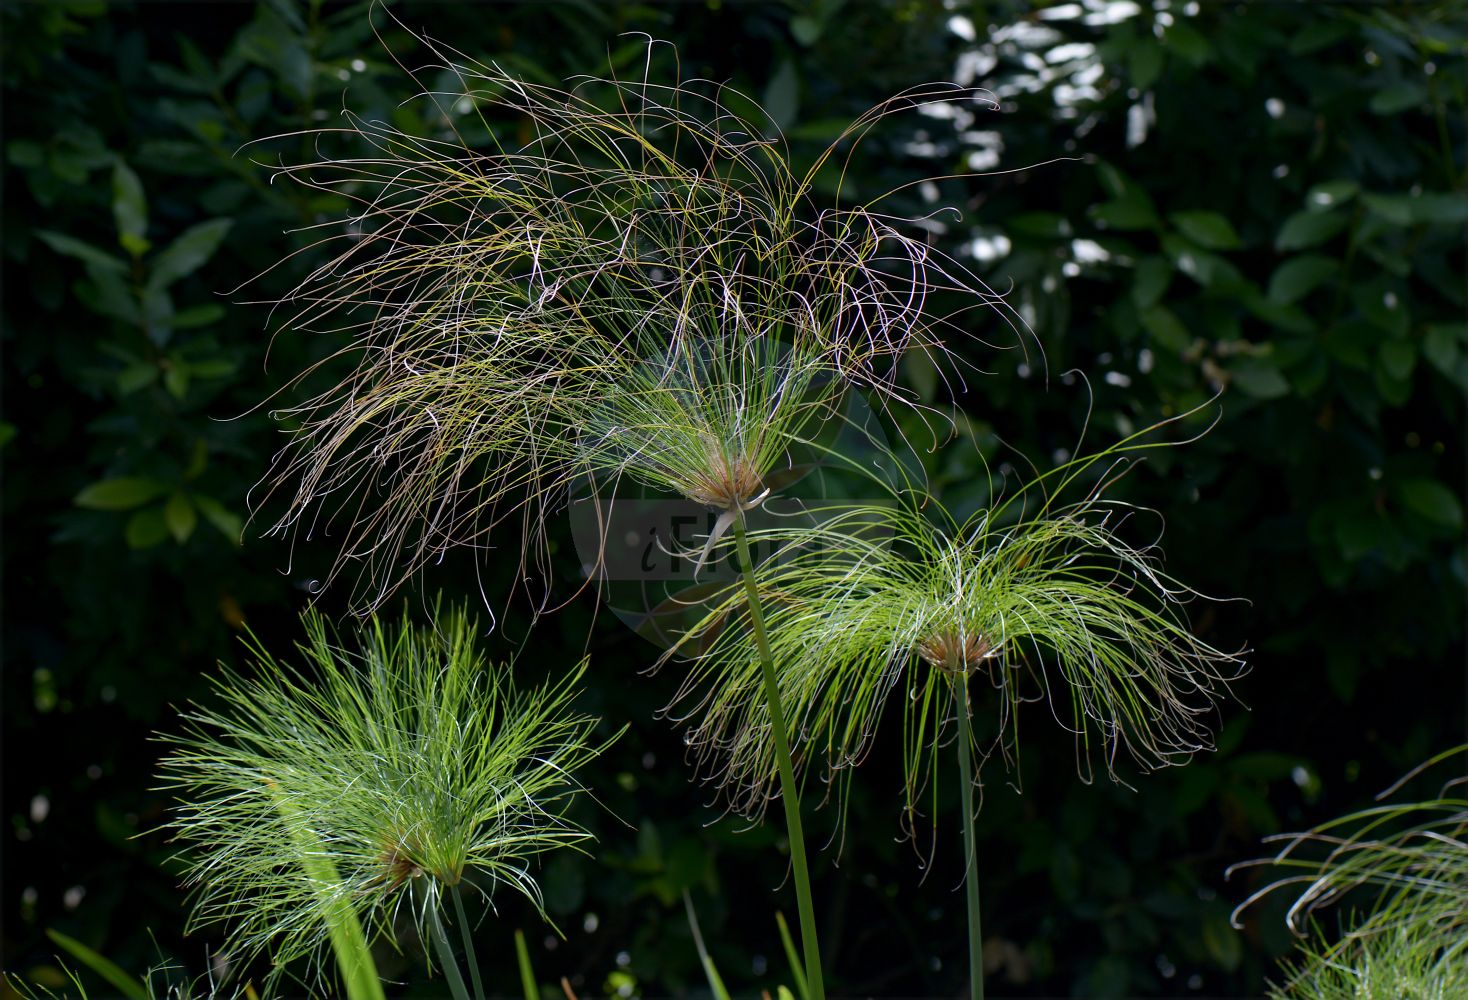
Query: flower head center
[[726, 482], [955, 653]]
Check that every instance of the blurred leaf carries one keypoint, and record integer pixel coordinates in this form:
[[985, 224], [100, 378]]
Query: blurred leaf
[[1298, 276], [122, 493], [1225, 945], [1440, 347], [1153, 276], [1258, 378], [1167, 329], [1398, 358], [1308, 229], [84, 252], [197, 316], [228, 524], [129, 209], [1044, 225], [1144, 63], [805, 30], [180, 517], [176, 378], [1126, 214], [782, 94], [1317, 35], [1394, 208], [1187, 42], [146, 528], [1207, 229], [136, 376], [1431, 500], [1398, 97], [1329, 194], [188, 253]]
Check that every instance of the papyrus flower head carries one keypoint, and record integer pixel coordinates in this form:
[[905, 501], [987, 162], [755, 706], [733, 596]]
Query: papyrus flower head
[[1029, 597], [396, 765], [616, 278]]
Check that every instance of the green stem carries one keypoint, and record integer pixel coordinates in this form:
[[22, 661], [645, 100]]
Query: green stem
[[789, 792], [469, 956], [970, 865], [446, 957], [344, 930]]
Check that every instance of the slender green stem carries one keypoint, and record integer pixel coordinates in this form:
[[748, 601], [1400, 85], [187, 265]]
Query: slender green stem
[[469, 956], [789, 792], [446, 957], [970, 853]]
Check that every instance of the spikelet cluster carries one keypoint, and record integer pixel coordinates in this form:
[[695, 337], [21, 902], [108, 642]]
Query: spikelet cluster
[[1027, 598], [612, 278], [392, 768]]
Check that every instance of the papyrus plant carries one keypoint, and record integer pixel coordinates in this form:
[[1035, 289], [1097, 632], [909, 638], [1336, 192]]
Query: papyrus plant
[[624, 278], [359, 795], [619, 279], [1398, 875], [1029, 598]]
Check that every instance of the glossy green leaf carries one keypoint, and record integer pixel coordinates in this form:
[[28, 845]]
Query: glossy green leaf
[[1188, 42], [1398, 358], [1329, 194], [197, 316], [1256, 377], [188, 253], [1151, 280], [1309, 229], [1167, 329], [227, 523], [1431, 500], [136, 376], [1398, 97], [1144, 63], [129, 210], [1207, 229], [176, 378], [146, 528], [1298, 276], [805, 30], [1394, 208], [1043, 225], [82, 251], [1440, 348], [180, 516], [1126, 214], [121, 493], [782, 94]]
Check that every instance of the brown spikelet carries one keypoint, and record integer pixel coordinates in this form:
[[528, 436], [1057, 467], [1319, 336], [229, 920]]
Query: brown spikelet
[[955, 653]]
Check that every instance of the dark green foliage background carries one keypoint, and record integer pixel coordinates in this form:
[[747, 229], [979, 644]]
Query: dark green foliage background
[[1286, 224]]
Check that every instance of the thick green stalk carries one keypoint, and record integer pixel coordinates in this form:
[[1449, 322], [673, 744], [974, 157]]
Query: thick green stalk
[[348, 943], [468, 942], [970, 853], [446, 958], [789, 792]]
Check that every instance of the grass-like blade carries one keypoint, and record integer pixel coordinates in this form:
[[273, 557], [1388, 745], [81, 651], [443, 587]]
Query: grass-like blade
[[527, 974], [128, 985], [716, 982], [792, 956]]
